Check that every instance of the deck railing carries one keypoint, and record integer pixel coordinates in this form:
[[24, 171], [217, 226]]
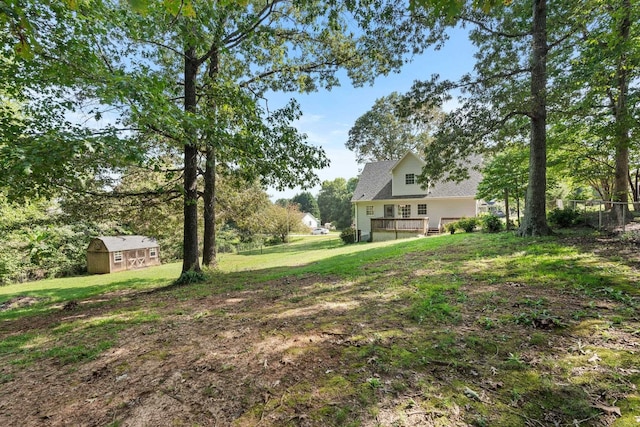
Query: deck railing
[[419, 225]]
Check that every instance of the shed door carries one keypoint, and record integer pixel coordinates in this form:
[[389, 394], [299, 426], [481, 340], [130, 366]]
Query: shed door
[[137, 258]]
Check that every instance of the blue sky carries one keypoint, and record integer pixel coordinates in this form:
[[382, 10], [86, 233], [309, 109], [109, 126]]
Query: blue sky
[[328, 115]]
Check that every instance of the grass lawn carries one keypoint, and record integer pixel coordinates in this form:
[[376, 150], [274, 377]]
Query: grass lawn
[[464, 329]]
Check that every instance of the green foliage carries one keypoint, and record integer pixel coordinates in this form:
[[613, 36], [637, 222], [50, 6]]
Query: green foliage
[[491, 223], [563, 218], [307, 203], [181, 76], [382, 133], [451, 227], [541, 319], [349, 235], [433, 307], [468, 224], [335, 202], [39, 241], [226, 239], [279, 222], [505, 174]]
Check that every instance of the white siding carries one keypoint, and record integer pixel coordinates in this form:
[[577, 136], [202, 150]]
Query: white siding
[[436, 208], [410, 164]]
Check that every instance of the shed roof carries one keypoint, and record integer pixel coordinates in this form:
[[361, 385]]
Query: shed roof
[[375, 184], [123, 243]]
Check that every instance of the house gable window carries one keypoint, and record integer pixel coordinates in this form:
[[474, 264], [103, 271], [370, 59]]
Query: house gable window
[[153, 252], [422, 209], [405, 211], [117, 256], [410, 179], [369, 210]]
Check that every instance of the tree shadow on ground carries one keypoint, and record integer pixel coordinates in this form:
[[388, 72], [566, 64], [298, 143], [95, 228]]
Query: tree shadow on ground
[[420, 333]]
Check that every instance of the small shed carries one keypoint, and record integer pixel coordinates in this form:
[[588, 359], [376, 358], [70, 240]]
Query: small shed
[[108, 254]]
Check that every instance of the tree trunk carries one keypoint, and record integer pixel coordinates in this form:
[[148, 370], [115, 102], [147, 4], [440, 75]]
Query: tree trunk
[[622, 121], [506, 207], [535, 219], [209, 246], [635, 193], [190, 241]]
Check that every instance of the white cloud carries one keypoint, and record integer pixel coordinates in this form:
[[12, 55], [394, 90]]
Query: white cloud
[[308, 119]]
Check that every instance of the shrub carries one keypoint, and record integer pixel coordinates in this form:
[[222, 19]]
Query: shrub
[[348, 235], [190, 277], [491, 224], [468, 224], [273, 241], [451, 227], [563, 218]]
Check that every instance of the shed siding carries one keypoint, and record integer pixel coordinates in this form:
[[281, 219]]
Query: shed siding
[[100, 260]]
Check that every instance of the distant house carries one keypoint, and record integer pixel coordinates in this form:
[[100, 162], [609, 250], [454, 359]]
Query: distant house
[[310, 220], [108, 254], [390, 204]]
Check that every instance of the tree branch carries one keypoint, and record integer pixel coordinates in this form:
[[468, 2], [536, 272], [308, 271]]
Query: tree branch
[[238, 36], [491, 31]]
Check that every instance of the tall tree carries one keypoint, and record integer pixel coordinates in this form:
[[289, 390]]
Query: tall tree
[[383, 133], [504, 176], [507, 98], [334, 200], [281, 221], [604, 77], [224, 56], [307, 203]]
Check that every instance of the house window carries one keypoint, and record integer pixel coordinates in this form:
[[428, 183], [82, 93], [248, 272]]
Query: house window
[[153, 253], [117, 256], [422, 209], [410, 179], [369, 210], [405, 211]]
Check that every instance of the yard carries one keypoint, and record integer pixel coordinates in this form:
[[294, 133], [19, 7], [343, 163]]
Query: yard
[[454, 330]]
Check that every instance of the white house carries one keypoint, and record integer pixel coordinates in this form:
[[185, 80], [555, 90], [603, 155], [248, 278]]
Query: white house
[[310, 220], [390, 204]]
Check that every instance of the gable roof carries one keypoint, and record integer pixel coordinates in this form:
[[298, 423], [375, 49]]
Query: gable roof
[[309, 214], [375, 184], [401, 159], [123, 243]]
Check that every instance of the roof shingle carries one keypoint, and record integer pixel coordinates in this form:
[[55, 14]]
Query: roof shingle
[[123, 243]]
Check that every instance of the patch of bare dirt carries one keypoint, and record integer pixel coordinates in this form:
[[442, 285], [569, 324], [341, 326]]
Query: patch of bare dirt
[[19, 302]]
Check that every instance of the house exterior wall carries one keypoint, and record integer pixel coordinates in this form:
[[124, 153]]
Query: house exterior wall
[[310, 221], [410, 164], [436, 209]]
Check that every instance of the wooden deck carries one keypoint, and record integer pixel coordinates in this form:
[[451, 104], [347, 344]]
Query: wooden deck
[[415, 225]]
